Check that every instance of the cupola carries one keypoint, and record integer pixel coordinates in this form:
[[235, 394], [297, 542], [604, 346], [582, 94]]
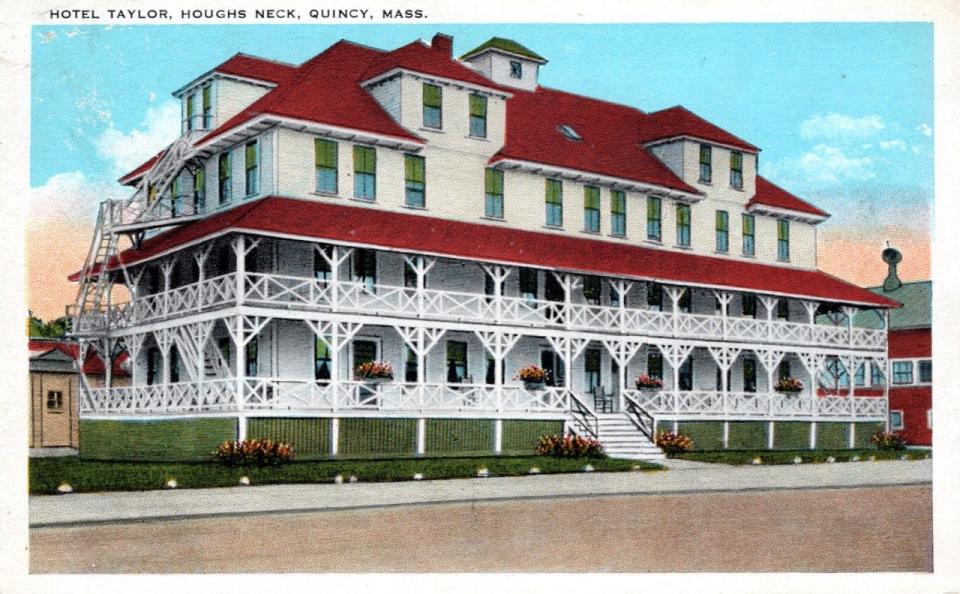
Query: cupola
[[506, 63]]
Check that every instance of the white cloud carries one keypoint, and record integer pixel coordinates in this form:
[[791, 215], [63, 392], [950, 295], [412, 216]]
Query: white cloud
[[916, 149], [71, 195], [126, 150], [925, 130], [893, 144], [840, 127], [820, 167]]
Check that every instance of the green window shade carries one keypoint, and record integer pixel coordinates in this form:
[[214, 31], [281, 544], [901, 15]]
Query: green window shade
[[736, 161], [364, 160], [653, 208], [224, 166], [199, 179], [554, 191], [414, 168], [478, 106], [206, 98], [494, 181], [783, 230], [618, 202], [190, 106], [683, 215], [591, 197], [250, 155], [432, 95], [325, 153], [748, 223], [722, 220]]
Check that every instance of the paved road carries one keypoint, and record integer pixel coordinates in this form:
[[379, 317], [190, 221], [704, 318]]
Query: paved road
[[884, 528]]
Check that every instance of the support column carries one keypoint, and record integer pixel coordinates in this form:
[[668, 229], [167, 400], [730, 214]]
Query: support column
[[569, 283], [498, 436], [886, 369], [723, 298], [622, 352], [770, 305], [242, 331], [334, 434], [853, 435], [675, 293], [813, 435], [420, 340], [420, 267], [770, 429], [200, 257], [337, 256], [726, 434], [240, 265], [849, 313], [336, 335], [621, 288], [498, 274], [166, 268], [498, 344], [421, 436], [724, 357]]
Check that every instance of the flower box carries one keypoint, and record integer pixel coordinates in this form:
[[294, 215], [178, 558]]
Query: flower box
[[531, 385], [645, 382], [533, 377], [373, 372], [788, 385]]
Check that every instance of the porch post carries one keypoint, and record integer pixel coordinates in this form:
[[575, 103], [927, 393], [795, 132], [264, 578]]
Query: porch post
[[675, 293], [420, 267], [621, 288], [723, 298], [770, 304], [240, 365], [886, 369], [498, 274], [240, 255], [848, 313]]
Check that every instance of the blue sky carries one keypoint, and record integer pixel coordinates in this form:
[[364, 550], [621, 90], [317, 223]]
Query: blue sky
[[843, 112]]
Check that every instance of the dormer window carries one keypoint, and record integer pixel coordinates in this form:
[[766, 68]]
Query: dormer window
[[516, 69], [432, 106], [569, 132], [736, 170], [207, 108]]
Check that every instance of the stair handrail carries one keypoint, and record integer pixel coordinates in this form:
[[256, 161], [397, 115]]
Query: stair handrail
[[164, 170], [583, 416], [639, 416]]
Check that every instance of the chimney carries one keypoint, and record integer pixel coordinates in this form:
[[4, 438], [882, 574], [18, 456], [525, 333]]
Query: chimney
[[892, 257], [442, 43]]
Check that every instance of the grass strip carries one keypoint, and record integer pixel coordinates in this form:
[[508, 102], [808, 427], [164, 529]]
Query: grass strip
[[46, 474], [739, 457]]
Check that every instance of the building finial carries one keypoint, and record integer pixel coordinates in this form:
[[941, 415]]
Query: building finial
[[892, 257]]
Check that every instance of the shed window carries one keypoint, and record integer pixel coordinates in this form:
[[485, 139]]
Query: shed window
[[55, 400]]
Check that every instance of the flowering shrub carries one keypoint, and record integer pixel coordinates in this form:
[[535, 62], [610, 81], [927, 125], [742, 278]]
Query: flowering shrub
[[788, 384], [673, 443], [254, 451], [374, 370], [570, 446], [532, 374], [644, 381], [892, 440]]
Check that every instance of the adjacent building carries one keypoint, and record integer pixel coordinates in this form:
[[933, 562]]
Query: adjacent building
[[459, 221]]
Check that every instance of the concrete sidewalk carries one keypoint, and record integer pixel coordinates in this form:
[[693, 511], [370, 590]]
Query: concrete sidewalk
[[683, 477]]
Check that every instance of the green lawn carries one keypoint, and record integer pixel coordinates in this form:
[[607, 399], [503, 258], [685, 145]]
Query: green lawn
[[46, 474], [808, 456]]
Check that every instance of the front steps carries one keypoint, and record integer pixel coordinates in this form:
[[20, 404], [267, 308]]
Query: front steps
[[622, 439]]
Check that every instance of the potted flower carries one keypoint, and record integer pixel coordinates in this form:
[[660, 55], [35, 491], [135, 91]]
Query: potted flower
[[374, 372], [789, 385], [533, 377], [645, 382]]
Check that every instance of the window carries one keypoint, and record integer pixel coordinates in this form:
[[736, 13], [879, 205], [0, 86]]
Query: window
[[569, 132], [364, 351], [207, 108], [365, 268], [251, 260], [199, 190], [322, 363], [224, 347], [176, 196], [490, 287], [415, 177], [783, 309], [653, 218], [748, 303], [226, 185], [528, 284], [655, 296], [685, 375], [903, 372], [591, 209], [410, 276], [364, 172], [321, 265], [491, 374], [736, 169], [189, 112], [749, 235], [684, 303], [683, 225], [55, 401], [591, 369], [723, 231], [591, 289], [326, 160], [251, 165], [251, 351], [432, 106], [493, 184], [706, 164], [554, 203], [783, 370], [410, 369], [516, 69], [876, 375], [174, 365], [655, 365], [749, 374], [456, 361], [925, 371], [478, 116], [153, 366], [783, 239], [896, 420], [860, 377], [152, 193], [618, 213]]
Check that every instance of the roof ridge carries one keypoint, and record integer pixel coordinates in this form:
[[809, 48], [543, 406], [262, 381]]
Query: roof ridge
[[261, 58], [588, 97]]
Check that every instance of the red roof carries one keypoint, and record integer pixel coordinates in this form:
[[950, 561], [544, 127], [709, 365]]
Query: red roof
[[249, 66], [92, 366], [141, 169], [420, 57], [326, 89], [609, 145], [679, 121], [770, 194], [474, 241]]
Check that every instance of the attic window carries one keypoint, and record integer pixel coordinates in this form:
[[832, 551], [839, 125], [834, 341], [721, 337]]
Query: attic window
[[516, 69], [569, 132]]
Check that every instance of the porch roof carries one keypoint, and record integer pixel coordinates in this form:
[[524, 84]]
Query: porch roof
[[376, 228]]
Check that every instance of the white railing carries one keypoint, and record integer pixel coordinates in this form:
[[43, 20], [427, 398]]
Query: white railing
[[283, 291], [345, 397], [734, 405]]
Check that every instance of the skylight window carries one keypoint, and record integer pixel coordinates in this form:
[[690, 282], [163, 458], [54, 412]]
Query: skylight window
[[569, 132]]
